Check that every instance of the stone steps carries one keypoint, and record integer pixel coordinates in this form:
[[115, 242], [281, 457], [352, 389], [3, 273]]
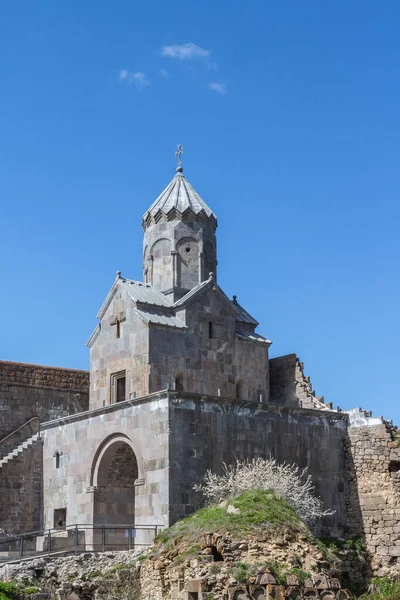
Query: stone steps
[[19, 449]]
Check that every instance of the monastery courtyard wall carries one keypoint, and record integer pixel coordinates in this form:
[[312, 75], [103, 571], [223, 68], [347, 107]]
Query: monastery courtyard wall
[[373, 502], [178, 436], [30, 394]]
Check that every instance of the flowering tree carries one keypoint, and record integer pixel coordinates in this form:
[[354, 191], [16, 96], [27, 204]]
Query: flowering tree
[[287, 482]]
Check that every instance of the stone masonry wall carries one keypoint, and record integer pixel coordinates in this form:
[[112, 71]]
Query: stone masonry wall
[[289, 385], [203, 364], [27, 391], [85, 443], [21, 492], [110, 354], [373, 502], [206, 432]]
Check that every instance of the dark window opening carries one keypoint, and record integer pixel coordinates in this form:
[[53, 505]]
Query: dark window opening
[[240, 390], [57, 457], [118, 387], [217, 556], [179, 383], [60, 518], [394, 466], [210, 330], [187, 249]]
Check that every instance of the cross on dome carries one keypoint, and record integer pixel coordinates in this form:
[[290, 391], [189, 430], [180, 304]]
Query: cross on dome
[[178, 154]]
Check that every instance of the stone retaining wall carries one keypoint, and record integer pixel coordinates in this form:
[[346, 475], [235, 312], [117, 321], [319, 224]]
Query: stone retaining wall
[[373, 501]]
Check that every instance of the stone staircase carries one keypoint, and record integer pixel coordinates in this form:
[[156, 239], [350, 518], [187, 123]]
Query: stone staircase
[[19, 449]]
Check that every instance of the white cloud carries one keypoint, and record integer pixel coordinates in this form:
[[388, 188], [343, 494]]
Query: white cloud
[[185, 51], [164, 73], [220, 88], [137, 78]]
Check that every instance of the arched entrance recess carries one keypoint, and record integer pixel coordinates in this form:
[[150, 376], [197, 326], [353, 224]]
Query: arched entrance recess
[[115, 470]]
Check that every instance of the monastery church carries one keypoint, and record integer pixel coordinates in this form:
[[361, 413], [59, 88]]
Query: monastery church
[[180, 381]]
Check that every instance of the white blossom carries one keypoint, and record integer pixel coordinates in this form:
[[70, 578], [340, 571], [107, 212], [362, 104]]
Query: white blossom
[[287, 482]]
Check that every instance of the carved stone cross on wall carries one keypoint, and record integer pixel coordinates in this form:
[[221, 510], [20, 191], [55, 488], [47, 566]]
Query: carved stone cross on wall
[[117, 321]]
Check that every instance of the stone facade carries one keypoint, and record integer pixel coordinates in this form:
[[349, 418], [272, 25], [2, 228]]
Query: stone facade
[[28, 391], [205, 432], [373, 503], [86, 481], [29, 395], [176, 437], [180, 382]]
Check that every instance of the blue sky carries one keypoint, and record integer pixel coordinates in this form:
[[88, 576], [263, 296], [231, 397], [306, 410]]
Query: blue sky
[[289, 116]]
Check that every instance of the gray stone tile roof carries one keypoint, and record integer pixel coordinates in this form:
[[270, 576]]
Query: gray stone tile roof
[[252, 337], [159, 318], [178, 198], [144, 292], [243, 315], [192, 293]]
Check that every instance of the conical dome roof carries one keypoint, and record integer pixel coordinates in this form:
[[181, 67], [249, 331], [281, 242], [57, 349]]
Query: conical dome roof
[[178, 201]]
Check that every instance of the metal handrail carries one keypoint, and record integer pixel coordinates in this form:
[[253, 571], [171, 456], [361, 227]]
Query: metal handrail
[[73, 543], [20, 427], [16, 536]]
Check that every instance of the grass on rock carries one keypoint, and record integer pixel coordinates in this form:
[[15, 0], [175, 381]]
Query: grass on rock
[[383, 588], [257, 508]]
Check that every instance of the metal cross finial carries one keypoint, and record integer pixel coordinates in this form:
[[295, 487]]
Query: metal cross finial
[[178, 154]]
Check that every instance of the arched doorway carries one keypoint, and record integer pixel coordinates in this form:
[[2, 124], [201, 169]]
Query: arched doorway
[[114, 473]]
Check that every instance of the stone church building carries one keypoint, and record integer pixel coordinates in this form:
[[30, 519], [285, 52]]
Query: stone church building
[[180, 381]]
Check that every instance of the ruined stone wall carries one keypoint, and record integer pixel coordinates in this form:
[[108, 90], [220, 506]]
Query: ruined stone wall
[[373, 500], [49, 393], [289, 385], [206, 432], [21, 492]]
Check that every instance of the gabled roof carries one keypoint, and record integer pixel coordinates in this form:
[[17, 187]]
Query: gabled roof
[[242, 315], [252, 337], [159, 318], [144, 292], [138, 292], [177, 200], [192, 293]]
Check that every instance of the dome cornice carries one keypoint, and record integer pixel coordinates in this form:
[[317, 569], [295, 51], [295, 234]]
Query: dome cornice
[[178, 201]]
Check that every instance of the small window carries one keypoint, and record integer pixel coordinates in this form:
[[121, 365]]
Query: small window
[[240, 390], [210, 330], [60, 518], [118, 387], [179, 382], [57, 457]]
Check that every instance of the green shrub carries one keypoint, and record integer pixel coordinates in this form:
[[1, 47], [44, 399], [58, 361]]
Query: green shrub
[[241, 572], [8, 590], [300, 574], [30, 590], [383, 588], [355, 542], [94, 574], [141, 558], [214, 569]]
